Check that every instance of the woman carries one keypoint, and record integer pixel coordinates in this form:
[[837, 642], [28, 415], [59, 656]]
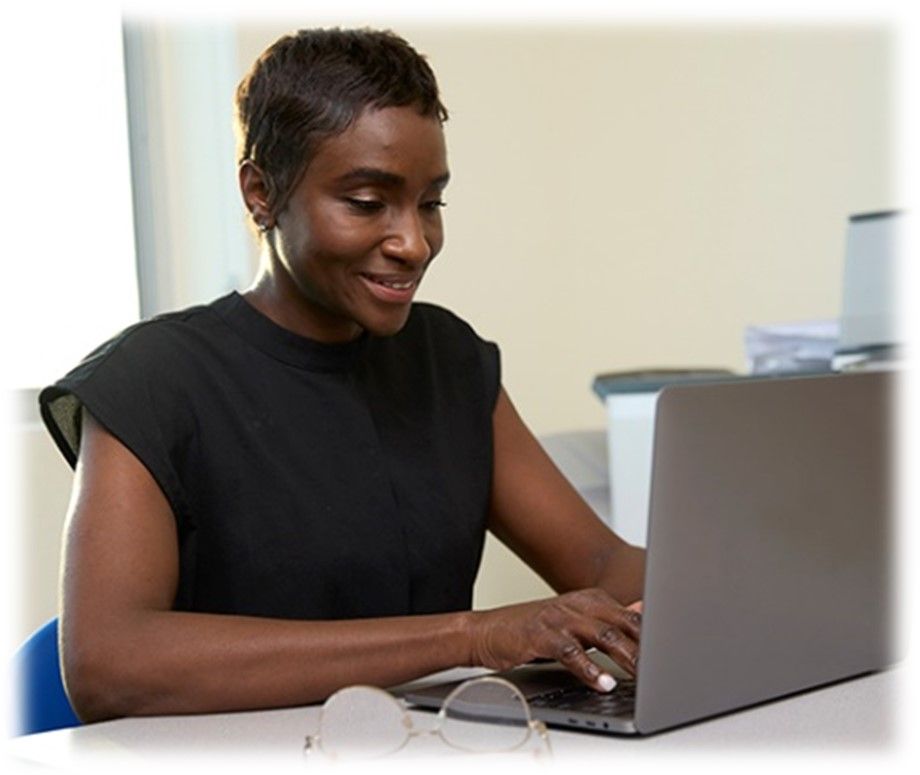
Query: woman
[[286, 491]]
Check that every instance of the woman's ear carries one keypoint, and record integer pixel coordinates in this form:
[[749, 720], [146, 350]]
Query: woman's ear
[[254, 187]]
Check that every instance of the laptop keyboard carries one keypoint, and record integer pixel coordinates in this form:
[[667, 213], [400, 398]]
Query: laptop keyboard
[[583, 699]]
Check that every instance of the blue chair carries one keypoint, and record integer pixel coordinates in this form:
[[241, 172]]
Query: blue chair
[[42, 702]]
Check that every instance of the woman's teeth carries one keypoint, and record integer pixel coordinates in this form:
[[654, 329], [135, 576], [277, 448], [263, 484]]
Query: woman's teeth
[[396, 286]]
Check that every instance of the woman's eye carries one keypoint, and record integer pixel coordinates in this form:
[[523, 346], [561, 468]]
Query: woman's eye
[[364, 205], [434, 205]]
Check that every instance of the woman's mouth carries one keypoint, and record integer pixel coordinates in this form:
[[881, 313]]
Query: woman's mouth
[[390, 288]]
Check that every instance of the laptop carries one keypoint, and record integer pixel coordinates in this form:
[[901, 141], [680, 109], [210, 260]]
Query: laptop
[[769, 567]]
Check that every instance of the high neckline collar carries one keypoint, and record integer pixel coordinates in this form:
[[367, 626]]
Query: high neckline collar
[[283, 344]]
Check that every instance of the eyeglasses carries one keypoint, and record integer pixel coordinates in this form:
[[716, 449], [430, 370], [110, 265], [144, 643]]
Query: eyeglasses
[[482, 715]]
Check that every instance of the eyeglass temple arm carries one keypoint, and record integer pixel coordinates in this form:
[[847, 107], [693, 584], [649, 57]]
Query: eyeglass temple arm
[[543, 733]]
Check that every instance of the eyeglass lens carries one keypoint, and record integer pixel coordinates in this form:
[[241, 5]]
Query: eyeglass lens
[[496, 703], [362, 723]]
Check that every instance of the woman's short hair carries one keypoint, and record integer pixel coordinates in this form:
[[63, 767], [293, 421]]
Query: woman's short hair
[[314, 84]]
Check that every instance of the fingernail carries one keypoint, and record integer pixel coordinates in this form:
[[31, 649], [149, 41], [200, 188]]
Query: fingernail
[[606, 682]]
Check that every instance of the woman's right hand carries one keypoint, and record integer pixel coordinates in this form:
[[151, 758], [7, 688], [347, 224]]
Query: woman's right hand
[[562, 628]]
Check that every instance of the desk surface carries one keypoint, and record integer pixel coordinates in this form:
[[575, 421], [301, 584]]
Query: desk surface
[[856, 715]]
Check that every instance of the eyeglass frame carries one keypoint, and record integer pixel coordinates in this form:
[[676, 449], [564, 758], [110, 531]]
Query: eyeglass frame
[[314, 743]]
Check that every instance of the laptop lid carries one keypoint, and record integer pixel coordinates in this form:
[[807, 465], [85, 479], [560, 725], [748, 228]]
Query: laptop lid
[[770, 522]]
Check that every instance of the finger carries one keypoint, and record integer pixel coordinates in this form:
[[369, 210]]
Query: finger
[[617, 645], [607, 637], [629, 621], [600, 605], [573, 657], [593, 618]]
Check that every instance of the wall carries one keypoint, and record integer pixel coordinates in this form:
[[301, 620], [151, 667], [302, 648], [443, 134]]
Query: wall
[[629, 196]]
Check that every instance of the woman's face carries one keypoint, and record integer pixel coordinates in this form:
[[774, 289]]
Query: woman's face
[[359, 231]]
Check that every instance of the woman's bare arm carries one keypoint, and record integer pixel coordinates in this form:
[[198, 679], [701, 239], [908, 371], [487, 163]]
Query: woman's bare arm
[[540, 516], [125, 652]]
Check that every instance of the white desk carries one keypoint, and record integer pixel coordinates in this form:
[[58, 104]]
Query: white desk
[[853, 716]]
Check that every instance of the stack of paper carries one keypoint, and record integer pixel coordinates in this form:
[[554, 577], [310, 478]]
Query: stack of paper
[[784, 348]]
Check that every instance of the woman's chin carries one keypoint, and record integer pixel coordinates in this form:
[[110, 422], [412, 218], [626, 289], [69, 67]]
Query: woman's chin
[[388, 324]]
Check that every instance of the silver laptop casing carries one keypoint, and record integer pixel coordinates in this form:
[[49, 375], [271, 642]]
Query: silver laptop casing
[[769, 566]]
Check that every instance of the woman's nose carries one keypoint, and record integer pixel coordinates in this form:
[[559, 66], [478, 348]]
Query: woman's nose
[[408, 240]]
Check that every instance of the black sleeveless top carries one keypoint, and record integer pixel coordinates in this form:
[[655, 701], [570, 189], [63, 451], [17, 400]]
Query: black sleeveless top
[[307, 480]]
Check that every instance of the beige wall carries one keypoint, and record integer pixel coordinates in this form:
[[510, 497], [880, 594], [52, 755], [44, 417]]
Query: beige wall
[[631, 196]]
